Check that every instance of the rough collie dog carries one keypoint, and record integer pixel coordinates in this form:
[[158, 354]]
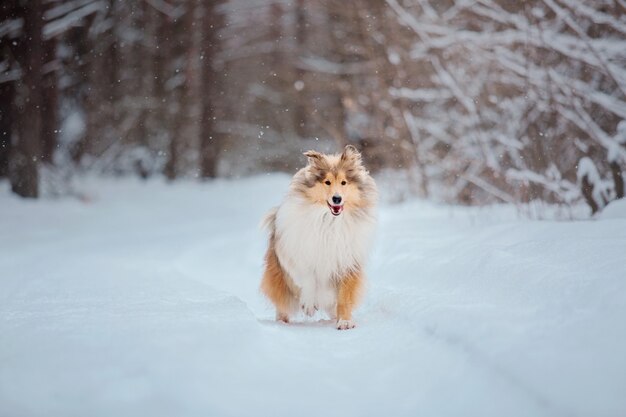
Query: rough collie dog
[[319, 238]]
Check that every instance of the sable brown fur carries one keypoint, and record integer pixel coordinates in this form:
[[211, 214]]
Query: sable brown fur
[[275, 285], [349, 294]]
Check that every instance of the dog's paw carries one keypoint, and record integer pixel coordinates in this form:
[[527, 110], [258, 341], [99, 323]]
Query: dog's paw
[[343, 324], [309, 309], [282, 317]]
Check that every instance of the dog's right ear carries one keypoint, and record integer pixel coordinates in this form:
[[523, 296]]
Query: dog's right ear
[[314, 157], [351, 153]]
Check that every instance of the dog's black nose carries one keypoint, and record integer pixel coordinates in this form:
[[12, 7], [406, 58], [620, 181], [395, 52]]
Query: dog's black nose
[[336, 199]]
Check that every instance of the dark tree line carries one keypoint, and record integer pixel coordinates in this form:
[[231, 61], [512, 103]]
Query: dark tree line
[[472, 102], [132, 82]]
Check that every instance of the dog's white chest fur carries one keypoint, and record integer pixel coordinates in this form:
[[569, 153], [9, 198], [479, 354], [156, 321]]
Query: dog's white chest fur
[[316, 248]]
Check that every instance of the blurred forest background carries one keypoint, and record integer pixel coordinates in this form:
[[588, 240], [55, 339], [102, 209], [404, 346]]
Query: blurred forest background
[[469, 101]]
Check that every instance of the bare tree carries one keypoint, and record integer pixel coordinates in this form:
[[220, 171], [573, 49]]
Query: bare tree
[[26, 154], [6, 125], [210, 140], [50, 101]]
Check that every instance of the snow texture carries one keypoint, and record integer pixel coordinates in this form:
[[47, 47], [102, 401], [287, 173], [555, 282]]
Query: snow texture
[[144, 301]]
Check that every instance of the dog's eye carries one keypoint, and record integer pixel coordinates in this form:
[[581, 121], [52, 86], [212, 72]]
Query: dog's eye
[[343, 182], [327, 182]]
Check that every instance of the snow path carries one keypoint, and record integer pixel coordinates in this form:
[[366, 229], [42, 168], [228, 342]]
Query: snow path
[[145, 302]]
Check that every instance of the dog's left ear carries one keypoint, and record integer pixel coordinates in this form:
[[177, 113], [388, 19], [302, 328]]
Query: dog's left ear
[[313, 157], [351, 153]]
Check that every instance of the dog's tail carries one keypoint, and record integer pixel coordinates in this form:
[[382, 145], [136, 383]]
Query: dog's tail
[[269, 221]]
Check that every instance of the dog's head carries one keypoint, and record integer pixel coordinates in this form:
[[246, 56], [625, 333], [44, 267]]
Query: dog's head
[[338, 181]]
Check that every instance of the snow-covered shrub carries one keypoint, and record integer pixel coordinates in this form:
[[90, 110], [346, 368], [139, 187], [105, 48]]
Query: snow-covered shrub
[[509, 98]]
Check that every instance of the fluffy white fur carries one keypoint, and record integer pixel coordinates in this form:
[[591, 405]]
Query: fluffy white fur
[[315, 248]]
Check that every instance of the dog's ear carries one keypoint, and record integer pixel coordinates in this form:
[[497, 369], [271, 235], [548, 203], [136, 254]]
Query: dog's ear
[[314, 157], [351, 154]]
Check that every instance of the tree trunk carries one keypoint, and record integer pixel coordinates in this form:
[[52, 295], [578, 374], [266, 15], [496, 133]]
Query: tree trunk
[[7, 93], [177, 100], [24, 158], [209, 139], [587, 191], [618, 180], [299, 114], [174, 118], [49, 108], [336, 24]]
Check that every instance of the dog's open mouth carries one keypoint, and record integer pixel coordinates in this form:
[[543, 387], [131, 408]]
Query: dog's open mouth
[[335, 209]]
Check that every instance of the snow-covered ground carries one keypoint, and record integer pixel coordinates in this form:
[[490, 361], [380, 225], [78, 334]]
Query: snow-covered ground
[[144, 302]]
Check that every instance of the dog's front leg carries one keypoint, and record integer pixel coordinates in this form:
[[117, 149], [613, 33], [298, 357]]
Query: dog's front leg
[[349, 291], [308, 296]]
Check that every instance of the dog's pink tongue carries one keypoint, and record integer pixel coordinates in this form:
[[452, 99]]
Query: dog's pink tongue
[[336, 209]]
